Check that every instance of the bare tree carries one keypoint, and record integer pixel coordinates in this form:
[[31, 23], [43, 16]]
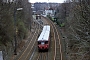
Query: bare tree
[[77, 14]]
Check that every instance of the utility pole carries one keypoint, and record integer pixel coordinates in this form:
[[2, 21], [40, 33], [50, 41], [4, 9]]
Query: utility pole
[[15, 36], [15, 31]]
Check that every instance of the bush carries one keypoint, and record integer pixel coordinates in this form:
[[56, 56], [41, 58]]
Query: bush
[[62, 25], [22, 30], [49, 17]]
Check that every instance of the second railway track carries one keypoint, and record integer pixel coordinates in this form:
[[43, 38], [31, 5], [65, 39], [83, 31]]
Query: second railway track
[[29, 49]]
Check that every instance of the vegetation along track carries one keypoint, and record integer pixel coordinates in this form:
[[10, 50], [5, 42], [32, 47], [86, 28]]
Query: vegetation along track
[[58, 52], [29, 49]]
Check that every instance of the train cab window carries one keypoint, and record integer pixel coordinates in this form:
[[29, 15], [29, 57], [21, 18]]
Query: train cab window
[[46, 42], [42, 43], [39, 42]]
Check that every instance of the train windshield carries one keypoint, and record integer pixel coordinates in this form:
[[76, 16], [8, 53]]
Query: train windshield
[[46, 42], [42, 43], [39, 42]]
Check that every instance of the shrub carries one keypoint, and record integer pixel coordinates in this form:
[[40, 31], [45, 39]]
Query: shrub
[[22, 30]]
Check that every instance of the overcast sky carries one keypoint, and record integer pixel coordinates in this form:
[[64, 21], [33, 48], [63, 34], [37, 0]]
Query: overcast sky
[[58, 1]]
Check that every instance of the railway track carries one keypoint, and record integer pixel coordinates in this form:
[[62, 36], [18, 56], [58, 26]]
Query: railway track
[[58, 52], [43, 56], [56, 46], [30, 47]]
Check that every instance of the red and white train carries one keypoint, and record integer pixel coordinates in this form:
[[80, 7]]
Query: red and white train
[[44, 38]]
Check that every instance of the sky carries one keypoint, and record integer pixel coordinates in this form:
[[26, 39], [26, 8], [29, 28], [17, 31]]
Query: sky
[[57, 1]]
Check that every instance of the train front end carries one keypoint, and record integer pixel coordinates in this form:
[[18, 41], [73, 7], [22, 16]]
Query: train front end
[[43, 45]]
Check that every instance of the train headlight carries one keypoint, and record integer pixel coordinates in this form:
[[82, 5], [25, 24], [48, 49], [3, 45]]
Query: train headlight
[[39, 46], [46, 46]]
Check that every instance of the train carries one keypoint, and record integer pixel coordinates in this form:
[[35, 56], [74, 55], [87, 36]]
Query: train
[[44, 39]]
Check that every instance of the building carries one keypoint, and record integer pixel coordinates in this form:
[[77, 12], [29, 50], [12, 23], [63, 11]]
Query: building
[[8, 1], [49, 11]]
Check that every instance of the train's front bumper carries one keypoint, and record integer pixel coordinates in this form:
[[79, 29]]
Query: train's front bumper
[[42, 47]]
